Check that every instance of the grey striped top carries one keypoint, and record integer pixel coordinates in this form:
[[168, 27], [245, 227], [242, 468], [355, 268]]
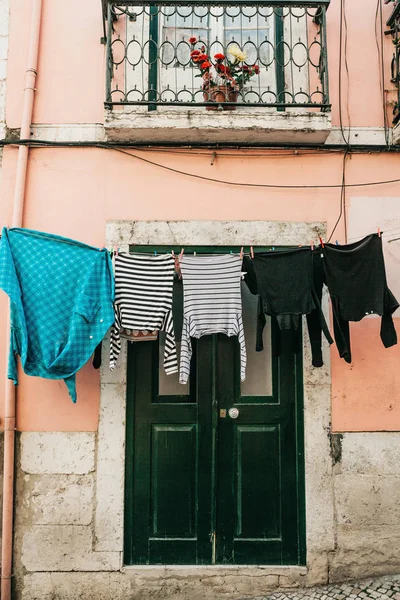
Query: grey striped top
[[143, 301], [212, 303]]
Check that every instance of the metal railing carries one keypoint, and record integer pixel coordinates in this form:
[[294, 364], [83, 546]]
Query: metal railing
[[394, 29], [220, 55]]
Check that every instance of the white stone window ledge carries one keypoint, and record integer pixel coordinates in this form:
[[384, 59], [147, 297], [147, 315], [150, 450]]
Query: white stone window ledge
[[245, 125]]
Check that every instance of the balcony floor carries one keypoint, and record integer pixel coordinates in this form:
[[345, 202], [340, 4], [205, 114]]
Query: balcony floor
[[245, 125]]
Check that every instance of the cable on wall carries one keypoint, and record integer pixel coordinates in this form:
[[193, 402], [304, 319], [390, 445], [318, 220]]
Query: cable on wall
[[257, 185], [381, 64], [296, 152], [342, 210], [343, 29], [343, 56]]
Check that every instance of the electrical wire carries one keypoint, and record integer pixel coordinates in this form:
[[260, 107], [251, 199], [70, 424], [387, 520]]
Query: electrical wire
[[200, 148], [286, 151], [117, 148], [384, 103], [346, 138], [343, 26], [346, 64], [255, 185], [342, 210], [343, 21], [381, 64]]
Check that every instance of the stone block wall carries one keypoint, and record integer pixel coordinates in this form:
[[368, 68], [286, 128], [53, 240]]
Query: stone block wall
[[56, 553], [367, 503], [55, 497]]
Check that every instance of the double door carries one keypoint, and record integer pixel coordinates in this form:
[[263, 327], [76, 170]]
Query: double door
[[214, 469]]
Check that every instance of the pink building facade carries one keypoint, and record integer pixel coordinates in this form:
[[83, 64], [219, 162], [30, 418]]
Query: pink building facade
[[178, 177]]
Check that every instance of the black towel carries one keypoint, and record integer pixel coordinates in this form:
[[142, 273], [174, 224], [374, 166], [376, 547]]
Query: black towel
[[289, 284], [356, 279]]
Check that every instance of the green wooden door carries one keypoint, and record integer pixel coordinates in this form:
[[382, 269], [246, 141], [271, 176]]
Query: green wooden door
[[203, 487]]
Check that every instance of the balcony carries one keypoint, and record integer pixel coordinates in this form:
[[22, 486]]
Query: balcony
[[394, 28], [225, 72]]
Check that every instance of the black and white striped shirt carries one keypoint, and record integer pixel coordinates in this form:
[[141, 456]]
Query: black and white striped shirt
[[143, 301], [212, 303]]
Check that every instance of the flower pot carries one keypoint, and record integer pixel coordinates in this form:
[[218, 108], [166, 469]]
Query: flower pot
[[220, 94]]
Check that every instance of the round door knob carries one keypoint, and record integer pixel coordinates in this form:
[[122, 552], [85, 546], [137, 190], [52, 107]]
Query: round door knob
[[233, 413]]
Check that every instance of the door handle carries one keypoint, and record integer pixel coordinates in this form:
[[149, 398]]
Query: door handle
[[233, 413]]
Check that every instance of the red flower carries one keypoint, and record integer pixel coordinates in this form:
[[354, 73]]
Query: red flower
[[192, 41], [203, 49], [256, 69], [222, 69], [201, 57], [194, 53], [219, 57], [206, 65], [246, 68]]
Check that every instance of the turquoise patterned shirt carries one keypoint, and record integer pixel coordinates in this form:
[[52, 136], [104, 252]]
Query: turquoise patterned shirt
[[61, 298]]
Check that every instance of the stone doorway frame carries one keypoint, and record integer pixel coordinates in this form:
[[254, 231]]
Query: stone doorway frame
[[110, 451]]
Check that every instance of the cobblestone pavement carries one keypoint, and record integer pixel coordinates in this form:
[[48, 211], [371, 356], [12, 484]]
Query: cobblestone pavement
[[385, 588]]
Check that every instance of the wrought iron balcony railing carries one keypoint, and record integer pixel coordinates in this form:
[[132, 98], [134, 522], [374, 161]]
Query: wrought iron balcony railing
[[394, 25], [221, 54]]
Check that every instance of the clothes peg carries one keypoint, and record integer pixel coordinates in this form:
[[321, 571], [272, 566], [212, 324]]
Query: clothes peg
[[181, 253], [155, 252], [273, 248], [321, 242], [241, 252], [194, 253], [172, 254], [379, 231], [251, 252], [312, 246], [116, 250], [337, 243], [178, 267]]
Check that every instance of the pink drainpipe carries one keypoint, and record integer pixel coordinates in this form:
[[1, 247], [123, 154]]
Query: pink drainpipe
[[10, 396]]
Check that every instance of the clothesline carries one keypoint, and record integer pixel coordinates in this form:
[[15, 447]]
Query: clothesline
[[385, 233]]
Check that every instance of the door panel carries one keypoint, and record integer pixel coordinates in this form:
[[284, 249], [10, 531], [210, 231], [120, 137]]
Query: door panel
[[173, 459], [203, 487], [258, 481]]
